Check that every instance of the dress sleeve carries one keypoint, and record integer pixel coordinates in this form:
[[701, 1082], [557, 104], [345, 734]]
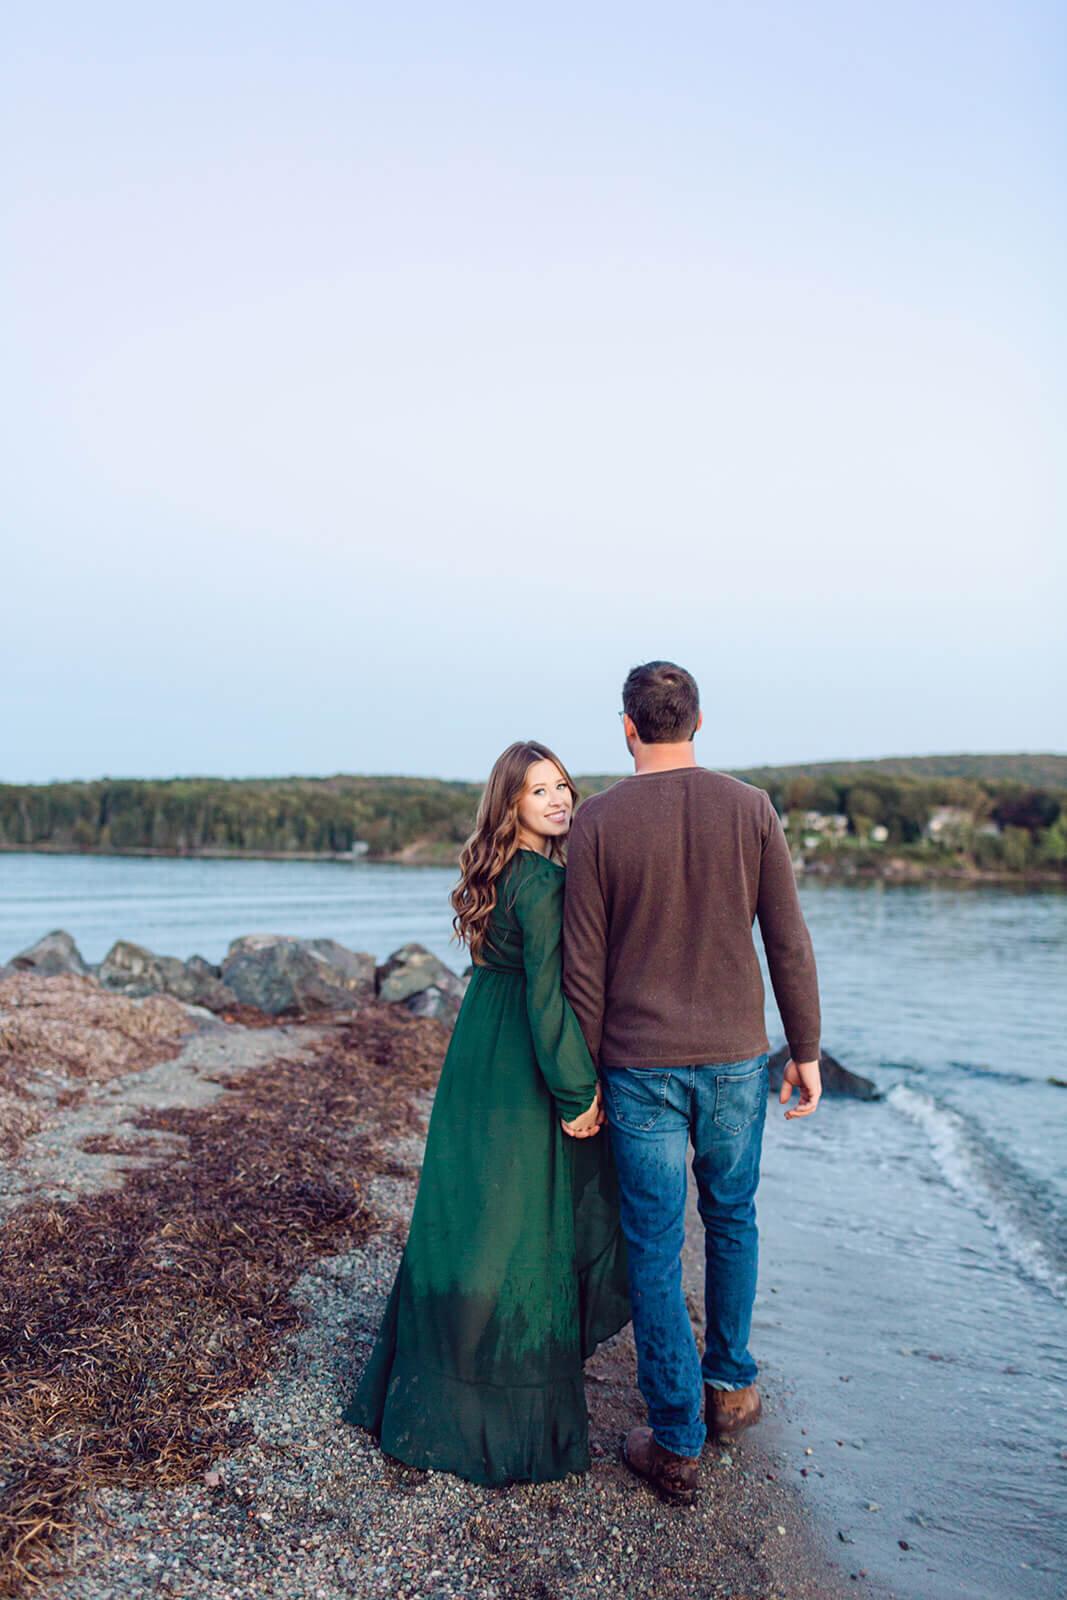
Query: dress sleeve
[[561, 1052]]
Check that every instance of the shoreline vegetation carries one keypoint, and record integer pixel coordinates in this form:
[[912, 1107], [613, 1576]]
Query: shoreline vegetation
[[978, 818]]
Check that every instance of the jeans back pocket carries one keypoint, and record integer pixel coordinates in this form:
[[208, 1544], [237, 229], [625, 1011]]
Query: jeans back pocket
[[636, 1098], [739, 1097]]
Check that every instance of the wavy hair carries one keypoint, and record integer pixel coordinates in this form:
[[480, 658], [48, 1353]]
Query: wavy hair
[[495, 841]]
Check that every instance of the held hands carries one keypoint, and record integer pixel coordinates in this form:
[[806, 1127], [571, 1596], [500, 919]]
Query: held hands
[[805, 1076], [589, 1124]]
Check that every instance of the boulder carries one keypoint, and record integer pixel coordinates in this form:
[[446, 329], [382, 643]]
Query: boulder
[[133, 970], [434, 1002], [410, 970], [836, 1079], [52, 957], [415, 979], [356, 968], [280, 974], [204, 968]]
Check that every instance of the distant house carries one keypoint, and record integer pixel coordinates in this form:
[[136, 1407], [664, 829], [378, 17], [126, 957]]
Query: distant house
[[826, 822], [945, 821], [879, 833]]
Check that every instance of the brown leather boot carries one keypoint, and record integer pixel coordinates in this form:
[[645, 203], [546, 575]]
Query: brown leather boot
[[674, 1478], [729, 1412]]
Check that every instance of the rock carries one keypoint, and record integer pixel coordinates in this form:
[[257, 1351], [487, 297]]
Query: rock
[[204, 968], [356, 968], [133, 970], [281, 974], [415, 979], [52, 957], [411, 970], [836, 1079], [434, 1002]]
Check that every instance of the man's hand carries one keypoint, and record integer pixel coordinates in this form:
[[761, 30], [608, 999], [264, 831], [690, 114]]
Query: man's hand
[[805, 1076], [590, 1122]]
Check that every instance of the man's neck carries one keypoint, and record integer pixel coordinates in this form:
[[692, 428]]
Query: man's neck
[[664, 757]]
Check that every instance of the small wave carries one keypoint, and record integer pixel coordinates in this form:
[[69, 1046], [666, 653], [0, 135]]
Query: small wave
[[1023, 1217]]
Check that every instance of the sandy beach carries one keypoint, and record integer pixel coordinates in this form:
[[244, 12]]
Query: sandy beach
[[197, 1251]]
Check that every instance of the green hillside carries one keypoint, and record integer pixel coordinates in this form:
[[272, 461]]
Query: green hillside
[[1000, 812], [1038, 770]]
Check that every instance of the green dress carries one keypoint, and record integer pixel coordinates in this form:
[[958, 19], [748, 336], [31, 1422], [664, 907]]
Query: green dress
[[515, 1265]]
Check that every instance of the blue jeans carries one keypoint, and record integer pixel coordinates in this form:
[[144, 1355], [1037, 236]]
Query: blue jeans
[[653, 1113]]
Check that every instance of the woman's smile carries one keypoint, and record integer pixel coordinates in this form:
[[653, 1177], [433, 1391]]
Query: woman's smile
[[544, 811]]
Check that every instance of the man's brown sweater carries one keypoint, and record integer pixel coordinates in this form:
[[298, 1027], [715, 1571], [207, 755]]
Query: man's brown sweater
[[666, 873]]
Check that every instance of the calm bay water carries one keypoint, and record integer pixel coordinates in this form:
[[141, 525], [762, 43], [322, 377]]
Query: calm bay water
[[913, 1294]]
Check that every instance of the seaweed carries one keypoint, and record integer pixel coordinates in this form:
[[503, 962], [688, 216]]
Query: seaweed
[[131, 1321]]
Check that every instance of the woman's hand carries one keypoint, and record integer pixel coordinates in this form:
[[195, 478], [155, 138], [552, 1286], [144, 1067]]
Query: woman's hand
[[590, 1122]]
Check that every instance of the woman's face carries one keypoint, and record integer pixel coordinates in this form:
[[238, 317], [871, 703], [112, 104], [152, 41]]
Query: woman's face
[[545, 808]]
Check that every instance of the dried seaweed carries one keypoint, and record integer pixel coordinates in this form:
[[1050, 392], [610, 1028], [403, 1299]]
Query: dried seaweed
[[56, 1029], [131, 1321]]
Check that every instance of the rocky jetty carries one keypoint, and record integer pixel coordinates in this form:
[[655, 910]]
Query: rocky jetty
[[273, 973]]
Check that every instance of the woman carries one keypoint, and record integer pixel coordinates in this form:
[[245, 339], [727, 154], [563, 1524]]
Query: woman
[[515, 1264]]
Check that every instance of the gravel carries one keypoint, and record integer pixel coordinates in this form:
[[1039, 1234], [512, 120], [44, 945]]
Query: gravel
[[309, 1508]]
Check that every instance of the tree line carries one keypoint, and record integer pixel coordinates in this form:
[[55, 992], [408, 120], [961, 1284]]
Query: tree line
[[992, 821], [192, 816]]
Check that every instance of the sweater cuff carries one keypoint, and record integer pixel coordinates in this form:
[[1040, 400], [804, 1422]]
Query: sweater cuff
[[804, 1050]]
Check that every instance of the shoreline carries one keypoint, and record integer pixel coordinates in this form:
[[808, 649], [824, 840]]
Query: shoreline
[[897, 870], [263, 1484]]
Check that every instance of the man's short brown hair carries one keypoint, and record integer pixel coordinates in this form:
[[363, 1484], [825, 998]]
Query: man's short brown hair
[[662, 701]]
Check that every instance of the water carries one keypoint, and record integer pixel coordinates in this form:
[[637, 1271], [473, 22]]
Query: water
[[913, 1286], [913, 1277], [182, 908]]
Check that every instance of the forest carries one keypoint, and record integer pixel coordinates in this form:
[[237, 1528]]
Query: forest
[[989, 816]]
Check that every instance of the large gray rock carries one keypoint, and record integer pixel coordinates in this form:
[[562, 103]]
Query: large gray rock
[[280, 974], [204, 968], [836, 1079], [414, 978], [51, 957], [133, 970]]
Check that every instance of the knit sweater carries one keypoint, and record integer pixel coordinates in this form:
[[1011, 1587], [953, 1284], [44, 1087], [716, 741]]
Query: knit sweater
[[666, 874]]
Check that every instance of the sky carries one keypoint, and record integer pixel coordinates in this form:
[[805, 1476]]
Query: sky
[[379, 384]]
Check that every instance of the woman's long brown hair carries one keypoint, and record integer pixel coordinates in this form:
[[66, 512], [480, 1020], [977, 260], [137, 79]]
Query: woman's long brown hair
[[495, 841]]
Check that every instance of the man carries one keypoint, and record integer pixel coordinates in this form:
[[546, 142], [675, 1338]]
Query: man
[[666, 872]]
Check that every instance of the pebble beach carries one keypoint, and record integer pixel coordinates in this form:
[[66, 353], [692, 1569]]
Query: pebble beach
[[236, 1477]]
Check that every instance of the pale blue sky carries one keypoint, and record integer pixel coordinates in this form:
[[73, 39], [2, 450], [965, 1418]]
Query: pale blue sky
[[383, 383]]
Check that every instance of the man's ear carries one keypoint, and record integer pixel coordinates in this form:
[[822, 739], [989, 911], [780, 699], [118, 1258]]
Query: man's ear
[[700, 723]]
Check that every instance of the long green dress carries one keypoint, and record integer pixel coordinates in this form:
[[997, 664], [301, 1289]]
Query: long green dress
[[515, 1265]]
